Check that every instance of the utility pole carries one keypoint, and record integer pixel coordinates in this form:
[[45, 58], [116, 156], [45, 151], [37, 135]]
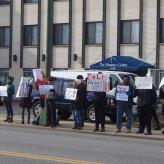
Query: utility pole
[[49, 37]]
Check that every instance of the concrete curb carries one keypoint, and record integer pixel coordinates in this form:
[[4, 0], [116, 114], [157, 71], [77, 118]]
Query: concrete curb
[[89, 131]]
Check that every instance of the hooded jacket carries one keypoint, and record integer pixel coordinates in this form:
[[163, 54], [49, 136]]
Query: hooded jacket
[[10, 88]]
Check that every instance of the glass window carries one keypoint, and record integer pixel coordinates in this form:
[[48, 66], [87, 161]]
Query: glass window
[[130, 32], [4, 36], [61, 34], [30, 35], [30, 1], [94, 33], [162, 31], [4, 2]]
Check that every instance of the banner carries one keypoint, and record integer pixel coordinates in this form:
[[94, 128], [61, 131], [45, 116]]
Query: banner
[[23, 88], [37, 74], [98, 82], [45, 89], [121, 93], [3, 91], [143, 82], [70, 93]]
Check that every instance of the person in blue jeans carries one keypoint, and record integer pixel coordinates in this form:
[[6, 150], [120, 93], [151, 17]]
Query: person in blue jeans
[[9, 99], [125, 106]]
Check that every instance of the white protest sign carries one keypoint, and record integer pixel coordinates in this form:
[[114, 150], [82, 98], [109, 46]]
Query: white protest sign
[[3, 91], [45, 89], [121, 93], [23, 88], [161, 83], [143, 82], [37, 74], [70, 93], [98, 82]]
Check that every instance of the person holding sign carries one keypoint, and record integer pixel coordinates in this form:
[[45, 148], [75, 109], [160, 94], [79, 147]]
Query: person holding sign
[[26, 102], [9, 98], [124, 98]]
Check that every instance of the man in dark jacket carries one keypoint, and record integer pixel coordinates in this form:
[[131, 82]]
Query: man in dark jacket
[[146, 100], [9, 98], [125, 106]]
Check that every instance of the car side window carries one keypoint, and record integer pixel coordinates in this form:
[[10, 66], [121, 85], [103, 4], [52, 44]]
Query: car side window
[[115, 80], [67, 84]]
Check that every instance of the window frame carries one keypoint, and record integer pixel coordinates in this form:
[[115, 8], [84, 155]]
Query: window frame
[[53, 35], [121, 31], [31, 45], [86, 33], [3, 45]]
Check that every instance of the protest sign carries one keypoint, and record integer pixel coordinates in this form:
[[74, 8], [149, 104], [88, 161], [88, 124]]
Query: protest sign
[[45, 89], [70, 93], [121, 93], [37, 74], [3, 91], [23, 88], [161, 83], [143, 82], [98, 82]]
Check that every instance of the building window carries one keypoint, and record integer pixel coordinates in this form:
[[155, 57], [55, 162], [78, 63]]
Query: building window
[[30, 35], [4, 2], [129, 32], [162, 30], [94, 31], [61, 34], [4, 36], [30, 1]]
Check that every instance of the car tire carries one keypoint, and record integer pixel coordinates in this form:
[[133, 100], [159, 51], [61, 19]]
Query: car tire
[[36, 108], [91, 114]]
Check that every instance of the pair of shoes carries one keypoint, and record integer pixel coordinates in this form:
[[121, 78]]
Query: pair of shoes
[[139, 132], [128, 131], [6, 120], [10, 120], [79, 127], [102, 130], [157, 128], [75, 126], [95, 130], [118, 131], [148, 133]]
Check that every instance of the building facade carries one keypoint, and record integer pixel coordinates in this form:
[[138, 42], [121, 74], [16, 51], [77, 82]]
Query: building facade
[[83, 32]]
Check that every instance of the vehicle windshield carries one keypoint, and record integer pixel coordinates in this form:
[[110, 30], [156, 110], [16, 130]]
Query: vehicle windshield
[[131, 76]]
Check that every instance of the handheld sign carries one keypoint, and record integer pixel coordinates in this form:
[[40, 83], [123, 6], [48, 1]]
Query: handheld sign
[[143, 82], [37, 74], [121, 93], [70, 93], [3, 91], [45, 89]]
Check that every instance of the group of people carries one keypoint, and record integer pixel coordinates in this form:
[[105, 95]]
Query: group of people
[[146, 104]]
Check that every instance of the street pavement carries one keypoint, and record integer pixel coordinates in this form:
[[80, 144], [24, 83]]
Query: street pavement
[[19, 145], [67, 126]]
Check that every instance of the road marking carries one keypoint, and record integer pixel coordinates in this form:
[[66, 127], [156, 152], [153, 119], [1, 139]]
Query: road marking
[[45, 158]]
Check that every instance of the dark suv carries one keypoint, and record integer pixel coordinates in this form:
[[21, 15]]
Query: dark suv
[[64, 107]]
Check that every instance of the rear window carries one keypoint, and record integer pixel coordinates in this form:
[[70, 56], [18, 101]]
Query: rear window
[[131, 76]]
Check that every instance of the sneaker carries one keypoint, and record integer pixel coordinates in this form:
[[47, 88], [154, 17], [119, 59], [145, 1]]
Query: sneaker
[[128, 131], [118, 131]]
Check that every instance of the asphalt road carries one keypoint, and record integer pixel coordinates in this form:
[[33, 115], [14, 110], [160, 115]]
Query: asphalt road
[[42, 146]]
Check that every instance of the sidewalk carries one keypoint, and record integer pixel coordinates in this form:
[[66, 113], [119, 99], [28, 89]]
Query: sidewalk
[[67, 126]]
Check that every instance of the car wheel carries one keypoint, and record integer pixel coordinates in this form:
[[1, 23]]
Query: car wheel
[[91, 114], [36, 109]]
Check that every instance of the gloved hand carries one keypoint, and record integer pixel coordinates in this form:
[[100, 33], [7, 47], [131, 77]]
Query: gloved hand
[[52, 90]]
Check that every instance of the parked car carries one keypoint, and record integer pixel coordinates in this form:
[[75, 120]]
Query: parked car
[[64, 107]]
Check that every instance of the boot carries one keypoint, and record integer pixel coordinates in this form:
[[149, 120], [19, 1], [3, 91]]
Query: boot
[[10, 119], [102, 129], [75, 126], [7, 119], [79, 127]]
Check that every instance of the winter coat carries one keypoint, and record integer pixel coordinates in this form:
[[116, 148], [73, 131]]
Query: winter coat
[[146, 97], [26, 102], [80, 97], [10, 89], [161, 94]]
